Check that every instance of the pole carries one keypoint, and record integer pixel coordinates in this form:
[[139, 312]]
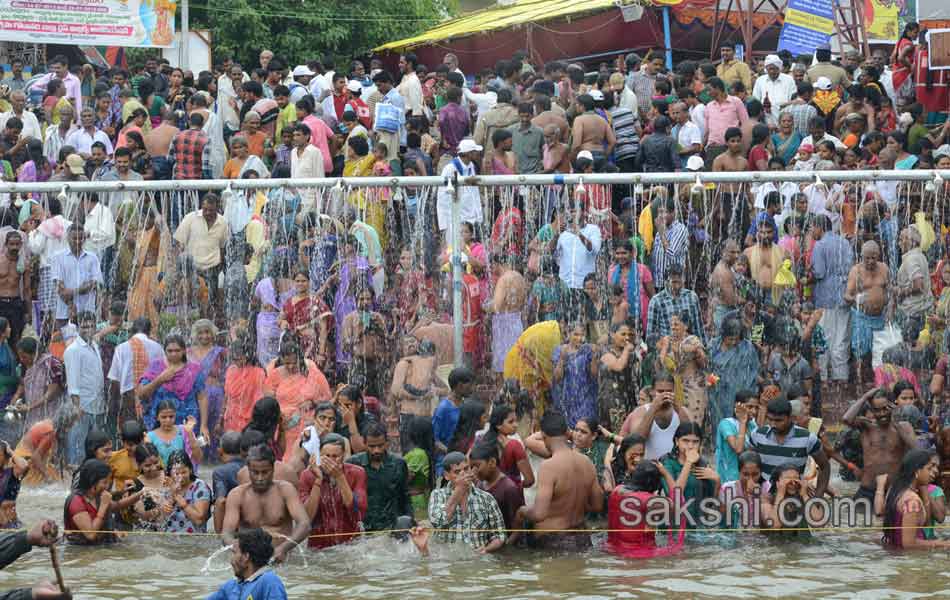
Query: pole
[[456, 273], [667, 38], [183, 61]]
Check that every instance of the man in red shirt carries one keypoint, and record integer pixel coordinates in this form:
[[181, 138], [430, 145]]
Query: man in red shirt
[[334, 494]]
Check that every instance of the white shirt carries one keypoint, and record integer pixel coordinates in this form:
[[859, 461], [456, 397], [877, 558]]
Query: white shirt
[[574, 259], [227, 113], [697, 115], [121, 369], [84, 376], [45, 246], [483, 102], [411, 90], [780, 90], [628, 100], [100, 229], [689, 134], [838, 143], [82, 141], [31, 125], [470, 199], [308, 165], [54, 141]]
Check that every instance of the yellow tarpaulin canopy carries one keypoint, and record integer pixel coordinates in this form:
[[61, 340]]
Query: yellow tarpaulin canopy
[[501, 17]]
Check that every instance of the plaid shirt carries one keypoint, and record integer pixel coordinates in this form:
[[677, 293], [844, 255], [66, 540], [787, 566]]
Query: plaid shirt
[[801, 114], [477, 525], [663, 305], [191, 152]]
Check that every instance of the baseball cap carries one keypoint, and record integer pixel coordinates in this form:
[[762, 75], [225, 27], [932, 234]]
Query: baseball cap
[[468, 145], [823, 84], [354, 85], [75, 164], [597, 95], [302, 71], [806, 148], [942, 151], [585, 154], [695, 163]]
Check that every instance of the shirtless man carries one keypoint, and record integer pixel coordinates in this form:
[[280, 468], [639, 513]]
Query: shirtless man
[[557, 159], [507, 303], [266, 503], [546, 117], [867, 292], [160, 138], [732, 160], [591, 132], [440, 334], [283, 471], [14, 286], [657, 421], [415, 383], [567, 490], [364, 332], [765, 258], [883, 441], [723, 283]]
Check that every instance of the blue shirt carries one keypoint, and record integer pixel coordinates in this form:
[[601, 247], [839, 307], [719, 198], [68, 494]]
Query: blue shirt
[[444, 420], [264, 585], [75, 271], [575, 260], [727, 461], [831, 261]]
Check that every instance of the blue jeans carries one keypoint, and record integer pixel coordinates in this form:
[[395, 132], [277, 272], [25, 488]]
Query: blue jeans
[[77, 435]]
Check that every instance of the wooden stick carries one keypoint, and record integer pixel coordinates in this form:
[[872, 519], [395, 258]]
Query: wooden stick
[[54, 556]]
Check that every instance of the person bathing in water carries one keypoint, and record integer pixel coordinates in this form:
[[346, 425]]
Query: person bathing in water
[[567, 490]]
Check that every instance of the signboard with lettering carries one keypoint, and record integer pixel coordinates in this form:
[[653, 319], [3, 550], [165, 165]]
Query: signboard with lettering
[[808, 25], [145, 23]]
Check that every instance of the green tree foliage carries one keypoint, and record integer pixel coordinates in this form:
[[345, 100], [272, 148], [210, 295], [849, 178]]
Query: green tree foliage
[[303, 30]]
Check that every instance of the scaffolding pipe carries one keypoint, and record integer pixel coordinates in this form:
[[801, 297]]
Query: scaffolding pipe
[[645, 179]]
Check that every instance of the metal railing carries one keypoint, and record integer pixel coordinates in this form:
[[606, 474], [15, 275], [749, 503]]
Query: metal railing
[[926, 181]]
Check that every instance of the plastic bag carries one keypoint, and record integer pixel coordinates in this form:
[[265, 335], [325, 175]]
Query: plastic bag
[[927, 235], [886, 338]]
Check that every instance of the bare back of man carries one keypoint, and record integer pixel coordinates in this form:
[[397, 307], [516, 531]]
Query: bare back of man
[[510, 292], [590, 132], [723, 286], [567, 491]]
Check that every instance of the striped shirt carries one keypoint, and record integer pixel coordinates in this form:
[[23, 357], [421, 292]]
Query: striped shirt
[[799, 444], [625, 130]]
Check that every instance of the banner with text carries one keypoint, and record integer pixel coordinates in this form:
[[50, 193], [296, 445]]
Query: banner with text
[[146, 23], [808, 25]]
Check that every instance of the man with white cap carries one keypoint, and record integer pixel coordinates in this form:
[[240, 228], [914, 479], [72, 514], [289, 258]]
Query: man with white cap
[[470, 200], [775, 86], [299, 86]]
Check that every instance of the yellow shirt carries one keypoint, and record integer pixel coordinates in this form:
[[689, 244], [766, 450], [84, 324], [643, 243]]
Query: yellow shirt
[[123, 468], [733, 72], [201, 243], [287, 116]]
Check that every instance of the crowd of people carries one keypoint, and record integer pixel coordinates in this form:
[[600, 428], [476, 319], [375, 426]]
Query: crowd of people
[[689, 342]]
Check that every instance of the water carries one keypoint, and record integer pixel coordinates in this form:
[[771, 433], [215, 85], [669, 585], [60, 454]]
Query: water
[[837, 565]]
